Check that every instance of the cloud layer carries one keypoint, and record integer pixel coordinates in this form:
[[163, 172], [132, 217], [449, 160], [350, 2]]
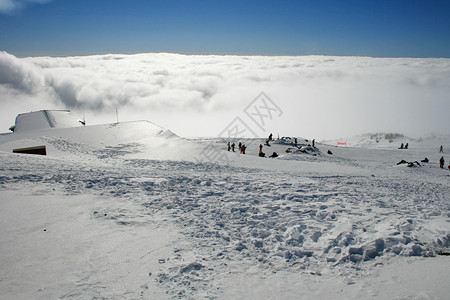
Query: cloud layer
[[321, 96], [10, 6]]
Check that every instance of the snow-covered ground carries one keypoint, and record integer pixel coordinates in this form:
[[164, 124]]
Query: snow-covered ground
[[130, 210]]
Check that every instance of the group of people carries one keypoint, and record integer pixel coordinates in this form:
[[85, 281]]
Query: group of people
[[241, 147], [403, 147], [441, 160]]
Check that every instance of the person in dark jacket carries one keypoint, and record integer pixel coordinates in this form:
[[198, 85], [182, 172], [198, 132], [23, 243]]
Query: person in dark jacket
[[442, 162]]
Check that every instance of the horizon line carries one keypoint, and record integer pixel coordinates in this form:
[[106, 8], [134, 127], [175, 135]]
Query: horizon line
[[216, 54]]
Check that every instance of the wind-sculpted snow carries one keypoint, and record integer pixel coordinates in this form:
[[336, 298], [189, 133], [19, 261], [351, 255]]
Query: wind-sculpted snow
[[233, 218]]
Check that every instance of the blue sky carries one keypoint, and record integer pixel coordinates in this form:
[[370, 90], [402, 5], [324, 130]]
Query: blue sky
[[392, 28]]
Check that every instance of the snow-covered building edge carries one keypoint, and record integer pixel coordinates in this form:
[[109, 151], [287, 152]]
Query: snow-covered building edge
[[45, 119]]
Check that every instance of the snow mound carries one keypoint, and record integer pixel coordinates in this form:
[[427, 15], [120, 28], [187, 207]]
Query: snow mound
[[139, 139], [304, 149], [45, 119]]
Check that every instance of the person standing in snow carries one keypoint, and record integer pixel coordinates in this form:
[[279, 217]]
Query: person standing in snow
[[441, 149], [229, 146], [295, 142], [260, 148], [314, 143], [270, 137], [240, 146], [401, 146], [232, 147], [406, 146], [441, 162]]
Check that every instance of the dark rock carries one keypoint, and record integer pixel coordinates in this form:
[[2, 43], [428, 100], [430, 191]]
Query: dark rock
[[354, 250]]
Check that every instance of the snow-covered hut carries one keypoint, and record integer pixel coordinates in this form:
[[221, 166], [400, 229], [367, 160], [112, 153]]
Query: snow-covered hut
[[45, 119]]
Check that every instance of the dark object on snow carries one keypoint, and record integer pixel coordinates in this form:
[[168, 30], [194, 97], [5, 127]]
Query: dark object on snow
[[314, 143], [262, 154], [329, 152], [274, 155], [270, 137], [406, 146], [401, 146], [232, 146], [260, 148], [39, 150], [441, 162], [267, 143], [441, 149], [425, 160], [411, 164], [440, 252]]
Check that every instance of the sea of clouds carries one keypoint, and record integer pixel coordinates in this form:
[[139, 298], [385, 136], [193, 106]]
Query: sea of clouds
[[199, 95]]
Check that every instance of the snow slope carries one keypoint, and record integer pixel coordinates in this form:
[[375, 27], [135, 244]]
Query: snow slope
[[130, 210]]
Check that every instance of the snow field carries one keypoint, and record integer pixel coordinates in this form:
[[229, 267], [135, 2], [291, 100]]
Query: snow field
[[121, 223]]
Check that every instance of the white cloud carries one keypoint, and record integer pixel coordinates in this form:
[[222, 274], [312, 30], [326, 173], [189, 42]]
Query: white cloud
[[321, 96], [6, 6], [19, 75], [10, 6]]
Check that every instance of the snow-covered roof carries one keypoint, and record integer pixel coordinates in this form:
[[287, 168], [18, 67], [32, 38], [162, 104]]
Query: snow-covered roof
[[45, 119]]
